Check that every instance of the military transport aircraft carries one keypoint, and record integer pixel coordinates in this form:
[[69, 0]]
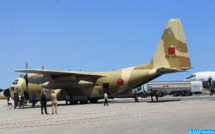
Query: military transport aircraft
[[171, 56]]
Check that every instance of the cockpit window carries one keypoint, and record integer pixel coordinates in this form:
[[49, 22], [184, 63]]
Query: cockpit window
[[15, 82], [191, 76]]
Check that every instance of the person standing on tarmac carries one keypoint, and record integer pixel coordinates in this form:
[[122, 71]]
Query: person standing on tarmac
[[71, 98], [33, 98], [54, 101], [152, 94], [10, 102], [15, 100], [43, 103], [105, 98], [22, 100], [156, 95]]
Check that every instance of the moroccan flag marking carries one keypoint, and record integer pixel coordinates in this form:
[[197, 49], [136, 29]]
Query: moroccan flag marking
[[171, 51]]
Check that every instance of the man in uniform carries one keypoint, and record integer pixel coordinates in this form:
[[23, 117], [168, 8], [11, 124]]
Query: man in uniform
[[54, 101]]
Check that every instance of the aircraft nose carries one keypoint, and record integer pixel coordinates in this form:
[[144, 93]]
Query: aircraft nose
[[7, 92]]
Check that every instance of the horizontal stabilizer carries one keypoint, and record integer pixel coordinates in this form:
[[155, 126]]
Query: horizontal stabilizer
[[163, 70]]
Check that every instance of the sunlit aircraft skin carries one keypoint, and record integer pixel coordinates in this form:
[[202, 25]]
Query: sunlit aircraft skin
[[171, 56], [19, 86]]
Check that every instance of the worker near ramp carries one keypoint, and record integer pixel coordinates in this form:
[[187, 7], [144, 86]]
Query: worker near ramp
[[54, 101], [156, 95], [105, 98], [152, 94]]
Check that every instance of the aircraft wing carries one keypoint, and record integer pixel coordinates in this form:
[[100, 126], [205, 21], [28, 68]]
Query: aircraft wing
[[59, 79], [58, 73]]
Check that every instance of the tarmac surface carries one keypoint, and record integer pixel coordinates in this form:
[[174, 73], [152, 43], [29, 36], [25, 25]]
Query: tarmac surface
[[171, 115]]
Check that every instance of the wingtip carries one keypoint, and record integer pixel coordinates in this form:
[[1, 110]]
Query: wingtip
[[21, 70]]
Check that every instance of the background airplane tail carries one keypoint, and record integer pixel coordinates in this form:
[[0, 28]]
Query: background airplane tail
[[172, 50]]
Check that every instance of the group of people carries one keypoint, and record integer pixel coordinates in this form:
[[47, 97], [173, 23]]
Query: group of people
[[21, 101], [44, 102], [54, 100], [15, 100], [154, 93]]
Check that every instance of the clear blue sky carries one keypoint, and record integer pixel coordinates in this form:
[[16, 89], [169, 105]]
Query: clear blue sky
[[99, 35]]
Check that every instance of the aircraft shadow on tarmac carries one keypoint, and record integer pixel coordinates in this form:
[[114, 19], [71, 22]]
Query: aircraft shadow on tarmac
[[141, 101], [162, 101], [39, 106]]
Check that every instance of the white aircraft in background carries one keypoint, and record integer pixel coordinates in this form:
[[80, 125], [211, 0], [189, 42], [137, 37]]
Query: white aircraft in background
[[207, 78], [2, 93]]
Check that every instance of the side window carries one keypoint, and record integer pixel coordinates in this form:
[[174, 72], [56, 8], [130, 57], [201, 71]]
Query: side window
[[15, 82], [12, 89]]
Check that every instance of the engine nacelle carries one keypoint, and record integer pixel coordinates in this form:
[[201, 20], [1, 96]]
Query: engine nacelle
[[38, 78]]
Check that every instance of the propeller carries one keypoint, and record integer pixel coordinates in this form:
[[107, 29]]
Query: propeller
[[26, 78], [6, 92], [26, 81]]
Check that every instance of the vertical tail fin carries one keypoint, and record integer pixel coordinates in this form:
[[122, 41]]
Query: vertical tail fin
[[172, 49]]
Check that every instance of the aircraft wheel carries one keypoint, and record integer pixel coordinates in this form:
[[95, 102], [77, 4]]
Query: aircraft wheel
[[83, 102], [182, 94], [175, 94], [136, 99], [187, 94], [161, 94], [93, 100], [74, 102]]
